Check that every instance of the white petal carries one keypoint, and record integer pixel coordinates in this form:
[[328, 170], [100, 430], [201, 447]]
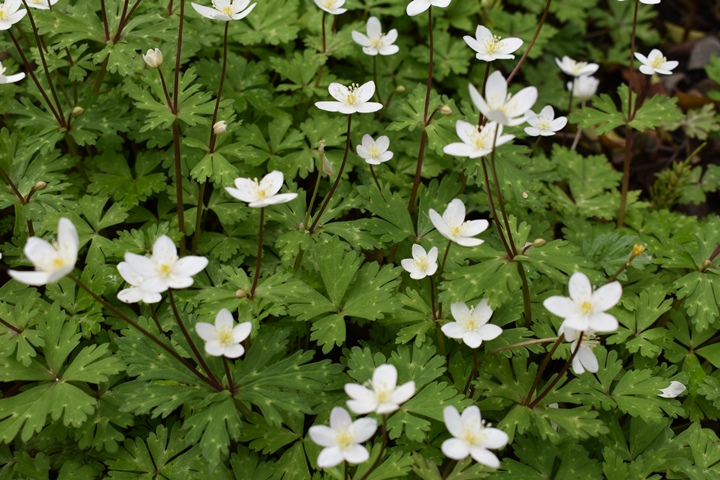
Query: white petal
[[386, 374], [455, 448], [580, 288], [224, 319], [361, 39], [588, 359], [210, 13], [439, 223], [607, 296], [416, 7], [39, 252], [373, 27], [214, 348], [272, 183], [403, 393], [453, 422], [234, 351], [602, 322], [241, 332], [468, 242], [340, 419], [364, 428], [474, 227], [323, 435], [484, 456], [339, 92], [189, 266], [206, 331], [460, 150], [453, 330], [673, 390], [489, 332], [369, 107], [495, 438], [164, 250], [460, 311], [30, 278], [131, 295], [356, 454], [454, 214], [330, 457], [561, 306]]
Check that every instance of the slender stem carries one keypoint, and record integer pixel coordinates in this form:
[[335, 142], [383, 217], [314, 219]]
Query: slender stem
[[124, 20], [440, 273], [101, 75], [501, 201], [324, 46], [535, 145], [423, 135], [542, 368], [122, 16], [559, 375], [372, 171], [532, 42], [715, 253], [165, 91], [41, 51], [103, 12], [432, 298], [178, 181], [382, 449], [28, 67], [198, 217], [313, 197], [74, 83], [142, 330], [170, 7], [213, 137], [11, 326], [188, 339], [337, 179], [259, 253], [153, 312], [527, 305], [481, 118], [473, 372], [448, 469], [523, 344], [377, 85], [632, 59], [176, 86], [488, 189], [347, 468], [228, 374], [13, 186], [576, 140]]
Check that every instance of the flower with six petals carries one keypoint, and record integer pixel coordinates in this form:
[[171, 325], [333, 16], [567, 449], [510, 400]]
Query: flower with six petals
[[452, 225], [352, 99], [471, 436], [224, 338], [423, 264], [263, 193], [489, 47], [342, 438], [381, 395], [51, 262], [471, 324], [375, 42]]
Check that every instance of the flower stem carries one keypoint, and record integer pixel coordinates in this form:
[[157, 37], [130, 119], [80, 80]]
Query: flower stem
[[193, 347], [377, 183], [153, 312], [527, 304], [382, 449], [324, 46], [23, 200], [165, 91], [11, 326], [145, 332], [228, 374], [124, 19], [542, 368], [488, 189], [259, 253], [103, 11], [559, 375], [198, 217], [501, 201], [627, 159], [473, 372], [532, 42], [423, 135], [375, 80], [337, 179], [440, 273], [523, 344], [432, 297], [213, 137], [178, 182], [178, 53], [28, 67]]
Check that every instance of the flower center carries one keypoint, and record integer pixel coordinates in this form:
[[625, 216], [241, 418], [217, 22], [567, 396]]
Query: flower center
[[422, 263], [473, 438], [164, 269], [344, 439], [352, 95], [329, 4], [577, 67], [586, 306], [376, 42], [225, 335], [543, 124], [455, 231], [58, 262], [492, 44], [227, 10], [374, 152], [658, 61], [479, 141]]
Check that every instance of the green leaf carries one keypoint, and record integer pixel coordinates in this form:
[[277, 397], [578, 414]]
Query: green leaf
[[603, 115], [657, 111], [114, 178], [214, 423], [701, 291]]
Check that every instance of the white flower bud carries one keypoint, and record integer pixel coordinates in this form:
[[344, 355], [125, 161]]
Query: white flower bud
[[220, 128], [153, 58]]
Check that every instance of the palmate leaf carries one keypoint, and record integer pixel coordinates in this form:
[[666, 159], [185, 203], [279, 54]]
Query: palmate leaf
[[701, 291], [104, 429], [21, 315], [704, 450], [269, 24], [603, 115], [215, 421], [541, 460], [638, 315], [114, 177], [449, 55]]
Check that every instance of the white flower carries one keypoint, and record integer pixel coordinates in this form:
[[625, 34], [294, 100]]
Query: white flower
[[585, 310], [471, 436], [353, 99], [656, 63], [545, 123], [225, 10], [498, 105], [342, 438], [374, 152], [263, 193], [9, 78], [153, 58], [383, 396], [452, 225], [422, 264], [576, 69], [375, 42], [224, 338], [41, 4], [416, 7], [51, 262], [164, 269], [9, 13], [476, 144], [471, 324], [331, 6], [490, 47], [135, 293], [673, 390], [583, 88], [585, 358]]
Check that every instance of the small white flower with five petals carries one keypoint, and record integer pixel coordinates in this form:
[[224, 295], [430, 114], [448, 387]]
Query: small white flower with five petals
[[375, 42], [331, 6], [585, 310], [501, 107], [263, 193], [471, 436], [489, 47], [224, 338], [471, 324], [576, 69], [476, 144], [374, 152], [656, 63], [452, 225], [225, 10], [423, 264], [544, 124], [51, 262], [353, 99], [383, 395], [10, 13], [342, 438]]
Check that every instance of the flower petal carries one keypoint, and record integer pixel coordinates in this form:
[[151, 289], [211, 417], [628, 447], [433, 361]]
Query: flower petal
[[455, 448], [453, 422], [484, 456], [206, 331], [30, 278], [580, 287], [323, 435], [607, 296], [356, 454], [561, 306], [453, 330], [241, 332]]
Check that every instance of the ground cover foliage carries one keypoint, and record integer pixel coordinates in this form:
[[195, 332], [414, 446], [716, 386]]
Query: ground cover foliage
[[626, 192]]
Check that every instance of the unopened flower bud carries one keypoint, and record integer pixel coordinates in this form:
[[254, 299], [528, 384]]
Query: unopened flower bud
[[220, 128], [153, 58], [445, 110], [400, 89], [637, 250], [40, 185], [538, 242], [77, 111], [240, 293]]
